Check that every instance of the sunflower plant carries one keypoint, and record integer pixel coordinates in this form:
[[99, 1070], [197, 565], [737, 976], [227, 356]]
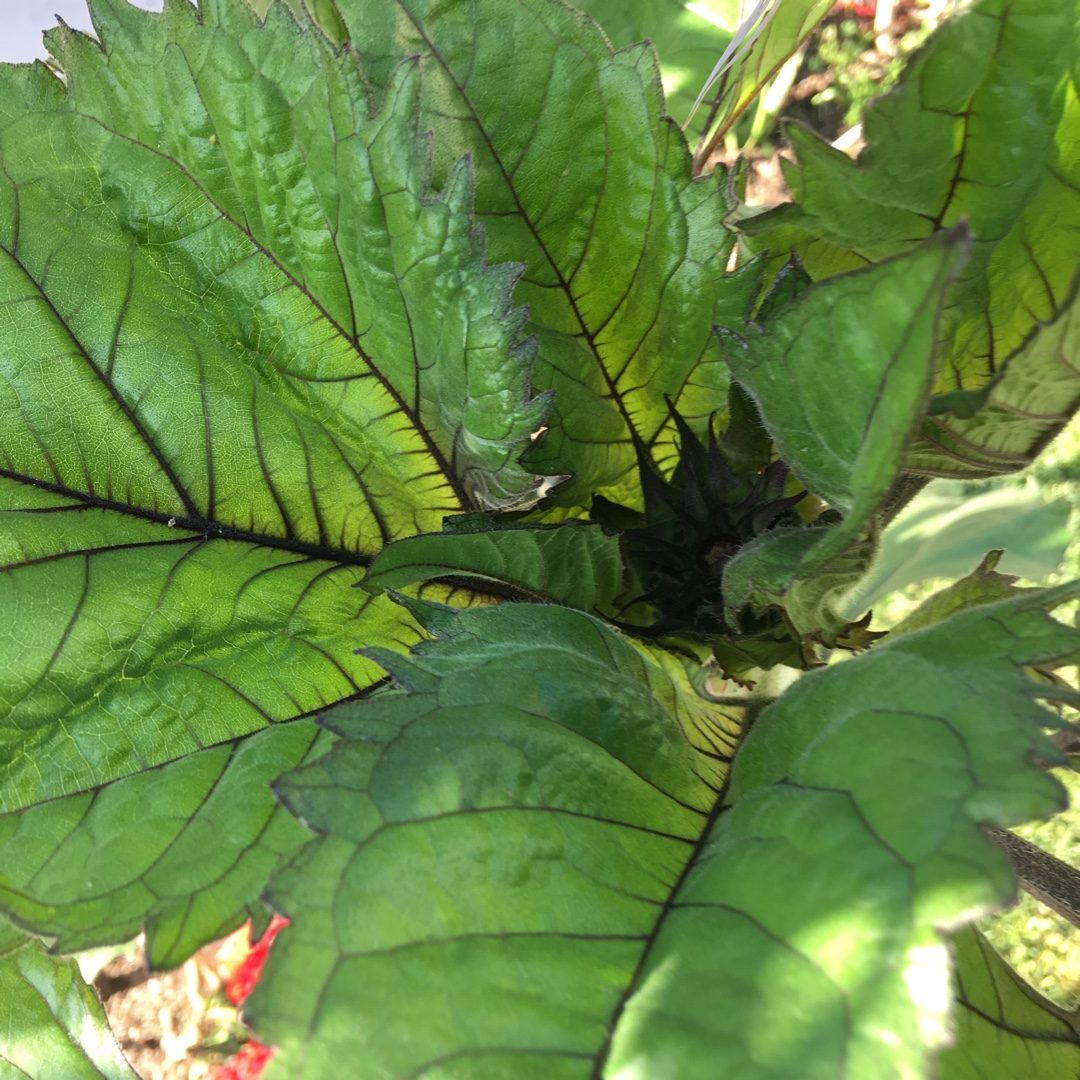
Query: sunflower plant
[[428, 501]]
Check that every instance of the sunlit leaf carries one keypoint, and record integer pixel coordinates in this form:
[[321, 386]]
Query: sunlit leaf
[[578, 175], [491, 901], [788, 24], [944, 532], [177, 551], [1002, 1026], [52, 1025]]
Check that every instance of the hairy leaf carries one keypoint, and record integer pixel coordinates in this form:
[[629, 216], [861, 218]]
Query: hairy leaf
[[490, 901], [573, 564], [52, 1026], [579, 175], [221, 400], [184, 850], [1002, 1026], [841, 373]]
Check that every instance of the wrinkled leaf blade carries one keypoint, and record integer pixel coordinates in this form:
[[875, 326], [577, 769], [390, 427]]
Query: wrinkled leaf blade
[[982, 128], [579, 175], [248, 412]]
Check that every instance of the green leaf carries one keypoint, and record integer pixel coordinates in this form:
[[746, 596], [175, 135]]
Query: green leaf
[[52, 1026], [1027, 403], [805, 938], [276, 137], [10, 938], [122, 650], [785, 568], [983, 128], [222, 402], [841, 375], [1003, 1027], [487, 902], [523, 856], [579, 175], [183, 850], [573, 564]]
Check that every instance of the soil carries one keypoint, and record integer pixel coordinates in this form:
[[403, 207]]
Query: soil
[[175, 1025]]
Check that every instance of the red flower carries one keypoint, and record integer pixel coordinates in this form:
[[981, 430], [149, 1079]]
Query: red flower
[[865, 10], [248, 1064], [247, 972]]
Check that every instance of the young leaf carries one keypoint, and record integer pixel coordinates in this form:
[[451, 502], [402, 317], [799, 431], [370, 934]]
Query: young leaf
[[51, 1022], [579, 175], [1002, 1026], [183, 850], [841, 376], [573, 564], [842, 373]]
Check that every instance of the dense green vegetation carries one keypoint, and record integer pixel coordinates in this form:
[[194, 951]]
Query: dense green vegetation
[[436, 508]]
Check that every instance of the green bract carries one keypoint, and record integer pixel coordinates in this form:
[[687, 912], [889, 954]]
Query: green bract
[[400, 464]]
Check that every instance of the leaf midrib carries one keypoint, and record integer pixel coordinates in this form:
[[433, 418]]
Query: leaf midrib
[[204, 529]]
